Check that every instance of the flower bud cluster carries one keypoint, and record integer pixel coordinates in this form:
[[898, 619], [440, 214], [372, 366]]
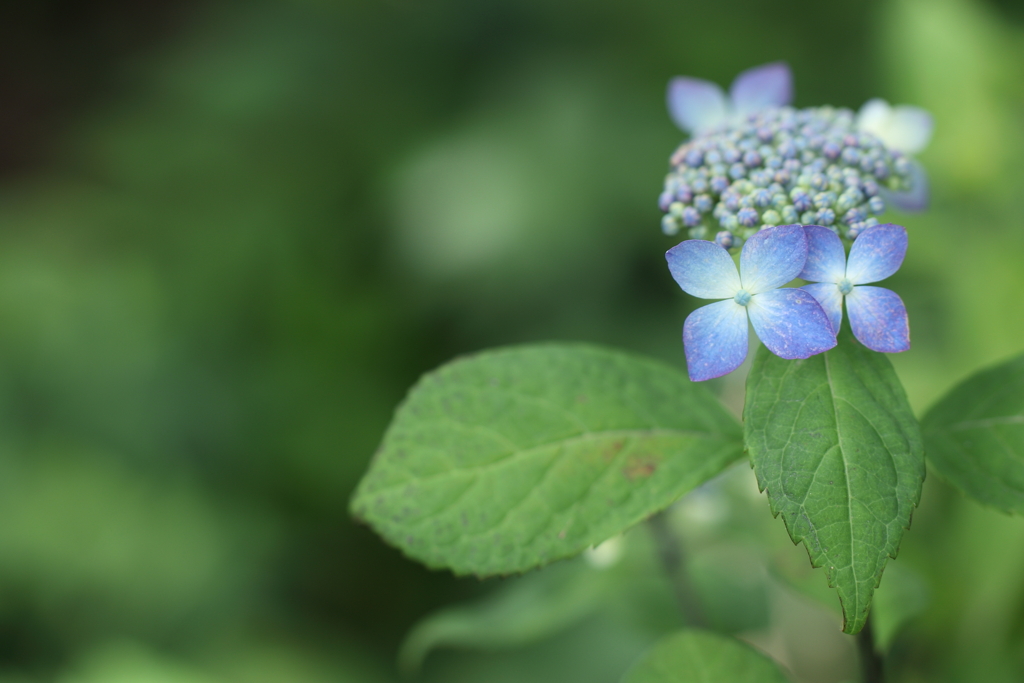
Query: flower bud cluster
[[780, 166]]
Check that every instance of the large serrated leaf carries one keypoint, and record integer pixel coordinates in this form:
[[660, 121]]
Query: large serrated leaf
[[975, 436], [833, 440], [703, 657], [509, 459]]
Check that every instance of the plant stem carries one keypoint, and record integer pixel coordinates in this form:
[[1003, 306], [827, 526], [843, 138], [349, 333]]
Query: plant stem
[[872, 668], [673, 557]]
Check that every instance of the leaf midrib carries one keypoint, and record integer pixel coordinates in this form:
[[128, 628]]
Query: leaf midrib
[[612, 433], [846, 471]]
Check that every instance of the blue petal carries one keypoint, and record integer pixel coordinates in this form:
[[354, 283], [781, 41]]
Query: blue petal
[[916, 198], [877, 253], [770, 85], [826, 258], [703, 269], [696, 105], [715, 340], [772, 257], [879, 319], [791, 323], [830, 299]]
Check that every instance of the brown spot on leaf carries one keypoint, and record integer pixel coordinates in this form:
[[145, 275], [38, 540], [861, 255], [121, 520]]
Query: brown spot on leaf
[[640, 466], [613, 449]]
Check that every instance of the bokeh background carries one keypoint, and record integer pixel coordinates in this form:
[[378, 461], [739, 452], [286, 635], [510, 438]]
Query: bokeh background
[[233, 233]]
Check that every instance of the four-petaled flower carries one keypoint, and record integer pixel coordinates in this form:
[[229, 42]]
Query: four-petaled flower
[[790, 322], [877, 316], [697, 105]]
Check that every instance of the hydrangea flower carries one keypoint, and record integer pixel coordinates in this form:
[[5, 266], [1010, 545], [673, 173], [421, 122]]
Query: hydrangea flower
[[877, 316], [905, 129], [697, 105], [754, 162], [790, 322]]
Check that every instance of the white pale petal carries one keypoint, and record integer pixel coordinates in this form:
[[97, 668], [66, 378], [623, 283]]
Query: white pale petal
[[903, 128], [873, 115], [910, 129]]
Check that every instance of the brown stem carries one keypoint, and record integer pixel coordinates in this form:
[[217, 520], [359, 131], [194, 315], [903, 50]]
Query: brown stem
[[673, 558], [872, 668]]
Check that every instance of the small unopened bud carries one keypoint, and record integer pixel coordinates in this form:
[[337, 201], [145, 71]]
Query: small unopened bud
[[747, 217], [669, 224], [691, 216], [824, 200]]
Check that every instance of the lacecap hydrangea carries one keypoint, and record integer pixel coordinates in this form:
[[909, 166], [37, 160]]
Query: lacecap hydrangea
[[785, 188], [754, 162]]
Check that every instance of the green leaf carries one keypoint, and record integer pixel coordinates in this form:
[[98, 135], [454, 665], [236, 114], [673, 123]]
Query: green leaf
[[833, 440], [975, 436], [702, 657], [521, 611], [506, 460]]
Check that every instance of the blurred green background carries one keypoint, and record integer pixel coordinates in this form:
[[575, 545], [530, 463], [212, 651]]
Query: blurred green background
[[233, 233]]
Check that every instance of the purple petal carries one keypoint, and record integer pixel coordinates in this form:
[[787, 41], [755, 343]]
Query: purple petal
[[877, 253], [715, 340], [830, 299], [770, 85], [695, 105], [878, 319], [791, 323], [703, 269], [826, 258], [772, 257], [916, 198]]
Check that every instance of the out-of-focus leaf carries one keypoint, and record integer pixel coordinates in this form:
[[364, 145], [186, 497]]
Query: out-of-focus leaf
[[902, 597], [81, 528], [287, 660], [692, 656], [834, 441], [131, 663], [730, 580], [975, 436], [510, 459], [526, 609]]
